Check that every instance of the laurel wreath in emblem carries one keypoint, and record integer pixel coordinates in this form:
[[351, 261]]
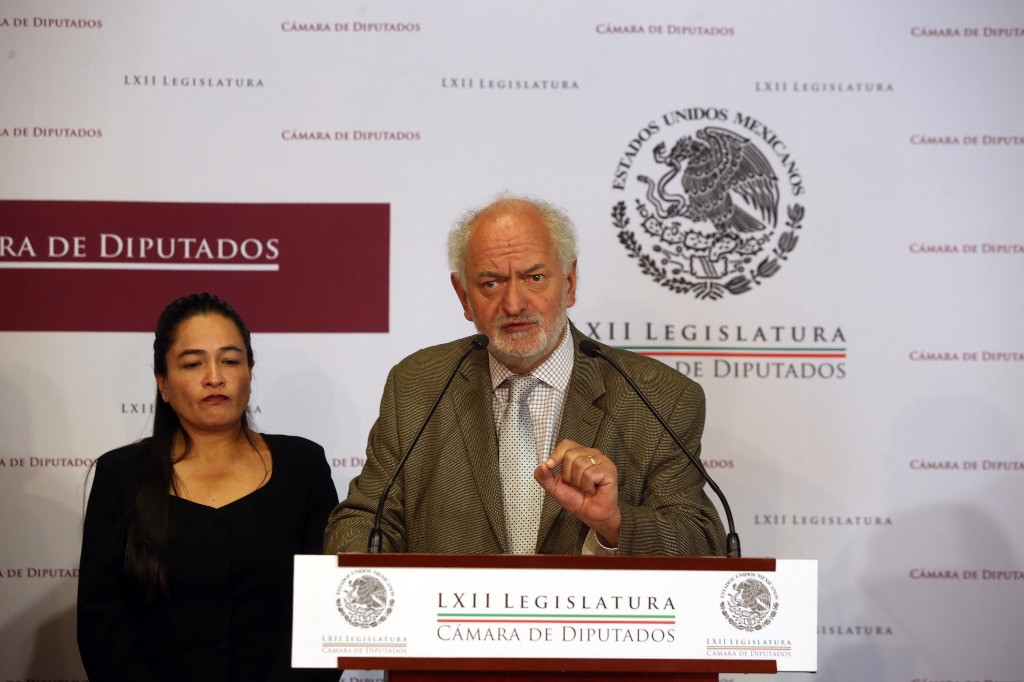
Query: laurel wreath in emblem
[[365, 598], [750, 604], [658, 267], [726, 184]]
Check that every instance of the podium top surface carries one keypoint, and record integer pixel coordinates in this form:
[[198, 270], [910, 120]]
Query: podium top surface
[[552, 561]]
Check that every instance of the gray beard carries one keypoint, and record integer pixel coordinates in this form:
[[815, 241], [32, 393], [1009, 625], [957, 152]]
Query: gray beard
[[547, 338]]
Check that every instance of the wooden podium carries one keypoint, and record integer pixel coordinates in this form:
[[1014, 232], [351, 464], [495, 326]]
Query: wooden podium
[[538, 594]]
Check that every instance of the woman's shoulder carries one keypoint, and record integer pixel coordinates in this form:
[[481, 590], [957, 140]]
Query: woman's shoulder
[[297, 461], [123, 467], [294, 448], [296, 443], [301, 475], [125, 457]]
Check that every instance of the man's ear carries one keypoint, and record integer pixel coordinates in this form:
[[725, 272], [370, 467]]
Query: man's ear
[[570, 279], [463, 296]]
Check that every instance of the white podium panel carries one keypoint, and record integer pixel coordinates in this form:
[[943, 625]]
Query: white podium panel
[[362, 609]]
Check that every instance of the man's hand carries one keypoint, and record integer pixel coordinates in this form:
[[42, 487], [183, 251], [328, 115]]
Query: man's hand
[[587, 487]]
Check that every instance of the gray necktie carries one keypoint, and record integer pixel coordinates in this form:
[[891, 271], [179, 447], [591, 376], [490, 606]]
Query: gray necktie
[[517, 451]]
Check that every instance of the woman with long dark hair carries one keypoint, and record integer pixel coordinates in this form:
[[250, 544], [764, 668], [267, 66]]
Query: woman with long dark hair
[[186, 570]]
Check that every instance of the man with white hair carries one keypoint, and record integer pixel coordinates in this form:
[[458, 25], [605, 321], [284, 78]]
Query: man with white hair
[[536, 447]]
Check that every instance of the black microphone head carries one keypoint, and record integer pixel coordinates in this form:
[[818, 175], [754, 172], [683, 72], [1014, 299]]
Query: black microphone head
[[589, 348], [480, 342]]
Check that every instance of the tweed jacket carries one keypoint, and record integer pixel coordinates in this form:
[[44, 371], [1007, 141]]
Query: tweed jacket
[[448, 498]]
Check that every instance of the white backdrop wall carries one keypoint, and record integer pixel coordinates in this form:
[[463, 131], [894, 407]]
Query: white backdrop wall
[[888, 445]]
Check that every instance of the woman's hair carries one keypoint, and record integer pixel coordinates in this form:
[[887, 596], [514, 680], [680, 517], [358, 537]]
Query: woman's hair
[[148, 520]]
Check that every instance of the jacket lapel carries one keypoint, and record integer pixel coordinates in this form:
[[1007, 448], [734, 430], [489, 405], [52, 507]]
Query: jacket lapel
[[581, 420], [473, 402]]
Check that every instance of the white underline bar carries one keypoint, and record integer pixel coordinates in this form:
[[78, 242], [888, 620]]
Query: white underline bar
[[67, 265]]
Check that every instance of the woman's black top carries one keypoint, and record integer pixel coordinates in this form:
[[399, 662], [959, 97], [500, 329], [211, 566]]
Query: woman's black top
[[227, 613]]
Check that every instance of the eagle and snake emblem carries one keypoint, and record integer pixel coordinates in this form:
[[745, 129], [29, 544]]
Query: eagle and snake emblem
[[750, 604], [717, 163], [714, 208], [364, 600]]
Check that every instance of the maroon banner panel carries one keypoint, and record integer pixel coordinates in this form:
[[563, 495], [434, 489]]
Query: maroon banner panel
[[113, 266]]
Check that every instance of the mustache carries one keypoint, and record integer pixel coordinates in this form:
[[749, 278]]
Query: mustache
[[534, 318]]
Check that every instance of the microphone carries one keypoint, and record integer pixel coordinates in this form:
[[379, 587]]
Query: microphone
[[478, 342], [732, 540]]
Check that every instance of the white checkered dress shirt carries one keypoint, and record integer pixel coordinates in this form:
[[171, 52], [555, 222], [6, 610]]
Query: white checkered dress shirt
[[547, 399], [546, 403]]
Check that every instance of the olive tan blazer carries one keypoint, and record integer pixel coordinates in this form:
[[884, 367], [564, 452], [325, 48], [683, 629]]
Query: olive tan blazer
[[448, 497]]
